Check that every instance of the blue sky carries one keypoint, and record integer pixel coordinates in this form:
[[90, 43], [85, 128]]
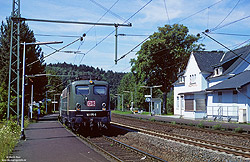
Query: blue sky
[[145, 22]]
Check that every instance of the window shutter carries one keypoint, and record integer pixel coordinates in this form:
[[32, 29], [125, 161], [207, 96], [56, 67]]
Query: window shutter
[[189, 105]]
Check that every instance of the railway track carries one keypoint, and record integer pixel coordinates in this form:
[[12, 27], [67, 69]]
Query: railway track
[[120, 151], [229, 149], [115, 149], [209, 131]]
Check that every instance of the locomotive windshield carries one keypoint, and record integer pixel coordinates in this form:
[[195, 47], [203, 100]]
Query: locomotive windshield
[[100, 90], [82, 90]]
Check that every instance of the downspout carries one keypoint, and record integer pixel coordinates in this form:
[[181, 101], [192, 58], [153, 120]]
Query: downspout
[[241, 92]]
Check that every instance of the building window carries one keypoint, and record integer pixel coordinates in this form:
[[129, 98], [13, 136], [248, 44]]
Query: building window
[[200, 104], [189, 105], [218, 71], [219, 97], [181, 79], [193, 79], [177, 103], [235, 97]]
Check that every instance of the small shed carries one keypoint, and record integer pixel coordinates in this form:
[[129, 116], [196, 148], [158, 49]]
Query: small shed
[[157, 106]]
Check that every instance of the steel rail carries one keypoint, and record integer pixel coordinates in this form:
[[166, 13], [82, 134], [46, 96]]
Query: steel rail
[[152, 157], [120, 144], [185, 126], [90, 143], [100, 149], [230, 149]]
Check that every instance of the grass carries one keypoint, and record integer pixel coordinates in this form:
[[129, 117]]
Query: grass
[[201, 125], [152, 119], [173, 122], [168, 114], [121, 112], [238, 130], [145, 113], [1, 124], [9, 137], [128, 112], [217, 127]]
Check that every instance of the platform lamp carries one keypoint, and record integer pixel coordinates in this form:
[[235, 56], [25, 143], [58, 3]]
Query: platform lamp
[[151, 93], [22, 137]]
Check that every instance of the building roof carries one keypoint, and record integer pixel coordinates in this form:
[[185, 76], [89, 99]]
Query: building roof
[[230, 55], [234, 82], [242, 53], [206, 59]]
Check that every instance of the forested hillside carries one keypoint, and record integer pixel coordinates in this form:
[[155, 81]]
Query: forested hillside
[[74, 72]]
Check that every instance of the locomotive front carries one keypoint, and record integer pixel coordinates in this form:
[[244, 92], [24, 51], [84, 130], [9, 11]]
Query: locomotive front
[[88, 105]]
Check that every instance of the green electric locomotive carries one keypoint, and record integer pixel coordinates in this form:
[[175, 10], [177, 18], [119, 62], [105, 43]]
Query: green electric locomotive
[[85, 104]]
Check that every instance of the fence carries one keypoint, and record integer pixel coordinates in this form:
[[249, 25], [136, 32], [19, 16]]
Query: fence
[[220, 112]]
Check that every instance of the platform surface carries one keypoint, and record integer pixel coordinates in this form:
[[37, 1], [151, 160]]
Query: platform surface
[[49, 141]]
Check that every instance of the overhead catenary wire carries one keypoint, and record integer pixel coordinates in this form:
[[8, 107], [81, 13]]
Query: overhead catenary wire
[[227, 15], [230, 23], [109, 10], [94, 25], [177, 22], [198, 12], [138, 11], [133, 35], [165, 6], [235, 46], [232, 34], [114, 30], [123, 56], [80, 38], [225, 47]]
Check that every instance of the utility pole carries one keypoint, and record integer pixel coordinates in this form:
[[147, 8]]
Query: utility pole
[[116, 32], [14, 75], [22, 137], [31, 100]]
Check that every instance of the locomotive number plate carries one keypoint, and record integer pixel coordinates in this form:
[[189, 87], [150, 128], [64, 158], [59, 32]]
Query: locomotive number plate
[[91, 114], [91, 103]]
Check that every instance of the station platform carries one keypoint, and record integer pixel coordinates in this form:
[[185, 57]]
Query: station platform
[[206, 123], [47, 140]]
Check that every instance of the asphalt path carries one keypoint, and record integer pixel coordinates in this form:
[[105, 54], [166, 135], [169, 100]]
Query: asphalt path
[[49, 141]]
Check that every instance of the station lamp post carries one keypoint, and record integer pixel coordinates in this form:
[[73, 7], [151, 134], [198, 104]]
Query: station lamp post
[[23, 80], [54, 102], [32, 89], [151, 93], [131, 96], [47, 98], [122, 100]]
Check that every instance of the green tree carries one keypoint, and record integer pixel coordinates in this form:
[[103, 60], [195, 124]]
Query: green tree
[[3, 100], [161, 57], [33, 53]]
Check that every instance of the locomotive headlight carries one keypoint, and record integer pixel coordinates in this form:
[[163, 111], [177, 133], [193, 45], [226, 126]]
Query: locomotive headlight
[[104, 106], [78, 107]]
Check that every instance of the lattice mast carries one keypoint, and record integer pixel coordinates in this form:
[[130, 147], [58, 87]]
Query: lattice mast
[[14, 77]]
